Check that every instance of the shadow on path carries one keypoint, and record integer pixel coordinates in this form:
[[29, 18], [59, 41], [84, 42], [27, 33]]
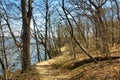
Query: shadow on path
[[80, 63], [83, 62]]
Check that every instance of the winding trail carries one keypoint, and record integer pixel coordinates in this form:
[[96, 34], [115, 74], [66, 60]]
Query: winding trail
[[47, 72]]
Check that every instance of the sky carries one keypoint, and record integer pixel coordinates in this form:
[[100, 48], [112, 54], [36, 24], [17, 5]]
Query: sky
[[39, 13]]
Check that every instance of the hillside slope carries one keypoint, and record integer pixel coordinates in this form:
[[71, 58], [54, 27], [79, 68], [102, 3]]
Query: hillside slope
[[65, 67]]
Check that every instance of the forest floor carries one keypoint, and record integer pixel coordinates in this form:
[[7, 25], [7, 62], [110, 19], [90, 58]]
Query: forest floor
[[65, 67]]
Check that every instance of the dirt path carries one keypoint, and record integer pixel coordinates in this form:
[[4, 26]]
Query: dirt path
[[65, 67], [47, 72]]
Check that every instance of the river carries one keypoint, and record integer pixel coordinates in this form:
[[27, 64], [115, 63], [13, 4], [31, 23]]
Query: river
[[13, 53]]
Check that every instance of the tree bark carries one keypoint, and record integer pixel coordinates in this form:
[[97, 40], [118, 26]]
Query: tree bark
[[26, 18], [46, 28]]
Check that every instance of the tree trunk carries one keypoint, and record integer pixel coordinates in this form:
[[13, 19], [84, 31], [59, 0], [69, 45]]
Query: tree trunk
[[4, 51], [36, 38], [118, 16], [113, 26], [72, 35], [3, 60], [3, 70], [46, 28], [26, 18], [50, 48], [103, 31]]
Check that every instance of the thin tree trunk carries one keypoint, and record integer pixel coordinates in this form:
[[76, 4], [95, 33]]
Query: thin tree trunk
[[46, 28], [37, 45], [54, 41], [4, 51], [4, 58], [112, 32], [3, 70], [72, 35], [49, 51], [118, 16], [103, 31], [97, 37], [73, 48], [113, 40]]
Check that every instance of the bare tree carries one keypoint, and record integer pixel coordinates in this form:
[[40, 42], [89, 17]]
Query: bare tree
[[26, 19], [103, 29], [47, 24], [118, 16], [37, 41], [2, 50], [72, 35], [46, 28]]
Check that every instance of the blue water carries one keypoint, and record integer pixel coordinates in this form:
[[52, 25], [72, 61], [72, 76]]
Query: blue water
[[13, 53]]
